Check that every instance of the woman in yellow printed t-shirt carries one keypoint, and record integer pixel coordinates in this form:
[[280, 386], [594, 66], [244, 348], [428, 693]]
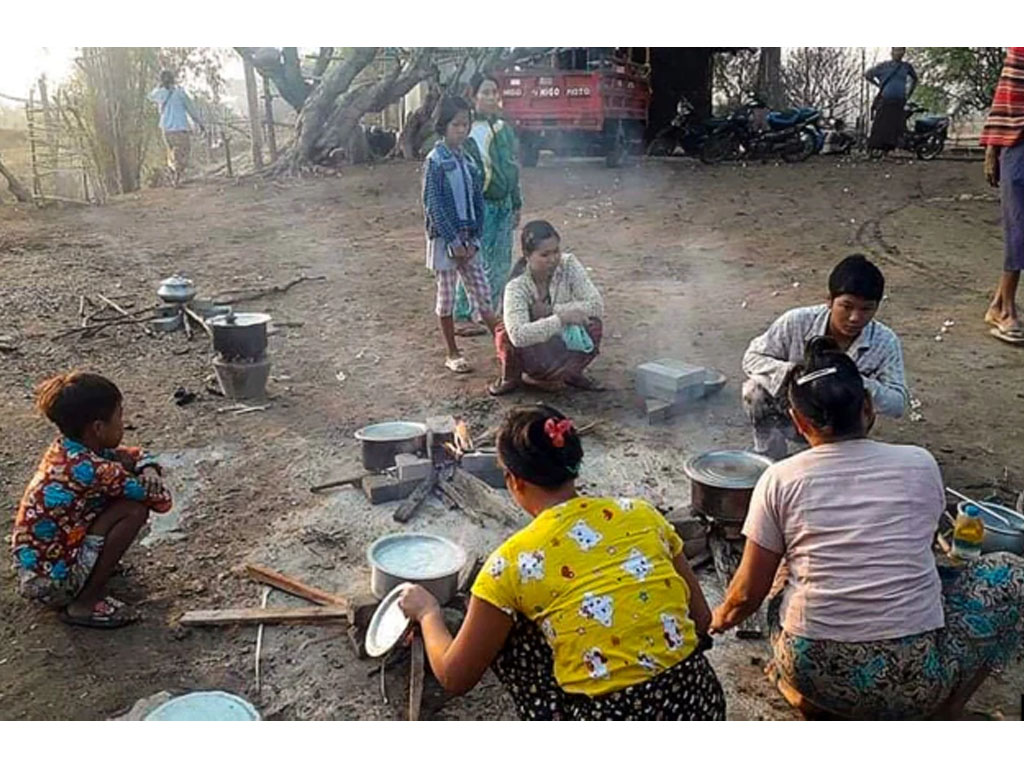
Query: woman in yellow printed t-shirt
[[590, 612]]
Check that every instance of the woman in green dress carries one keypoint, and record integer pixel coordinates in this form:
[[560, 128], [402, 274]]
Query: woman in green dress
[[492, 144]]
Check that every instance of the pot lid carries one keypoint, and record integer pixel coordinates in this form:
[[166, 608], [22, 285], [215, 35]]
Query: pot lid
[[177, 281], [391, 430], [239, 320], [735, 470], [416, 556], [387, 626]]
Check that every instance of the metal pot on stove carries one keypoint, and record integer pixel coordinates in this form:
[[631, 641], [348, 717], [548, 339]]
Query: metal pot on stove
[[240, 336], [722, 482]]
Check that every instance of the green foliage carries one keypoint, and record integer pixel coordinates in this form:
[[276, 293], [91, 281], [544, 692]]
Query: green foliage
[[957, 80]]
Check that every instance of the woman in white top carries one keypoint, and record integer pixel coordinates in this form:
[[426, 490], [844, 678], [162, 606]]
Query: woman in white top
[[551, 328], [864, 623]]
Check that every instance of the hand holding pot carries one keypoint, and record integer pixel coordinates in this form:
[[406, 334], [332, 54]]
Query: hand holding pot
[[416, 602]]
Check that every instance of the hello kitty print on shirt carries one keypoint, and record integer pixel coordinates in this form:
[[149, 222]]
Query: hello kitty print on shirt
[[584, 535], [531, 566], [498, 566], [596, 663], [672, 633], [598, 608], [638, 565]]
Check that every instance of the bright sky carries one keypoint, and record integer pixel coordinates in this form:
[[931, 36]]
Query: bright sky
[[21, 66]]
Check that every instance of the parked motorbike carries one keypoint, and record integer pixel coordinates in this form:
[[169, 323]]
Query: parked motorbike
[[754, 132], [926, 138], [684, 133]]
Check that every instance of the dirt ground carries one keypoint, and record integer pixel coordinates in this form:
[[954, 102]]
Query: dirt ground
[[693, 261]]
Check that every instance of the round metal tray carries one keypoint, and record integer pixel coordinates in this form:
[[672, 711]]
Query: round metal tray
[[387, 626], [727, 469]]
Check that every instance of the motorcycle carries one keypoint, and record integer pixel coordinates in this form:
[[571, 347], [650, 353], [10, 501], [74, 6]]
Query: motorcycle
[[754, 132], [926, 139], [684, 133]]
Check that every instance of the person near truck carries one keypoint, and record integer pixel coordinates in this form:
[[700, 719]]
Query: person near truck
[[492, 144], [175, 110], [896, 80], [855, 291], [1003, 138]]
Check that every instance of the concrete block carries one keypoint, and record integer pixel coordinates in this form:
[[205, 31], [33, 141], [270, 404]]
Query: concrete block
[[673, 375], [658, 411], [412, 467], [440, 430], [684, 396], [484, 466], [380, 489]]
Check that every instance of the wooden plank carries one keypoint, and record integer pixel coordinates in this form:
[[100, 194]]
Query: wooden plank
[[409, 506], [314, 614], [416, 675], [482, 499], [264, 575]]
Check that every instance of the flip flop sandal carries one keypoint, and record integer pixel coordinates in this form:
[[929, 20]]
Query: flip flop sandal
[[458, 365], [470, 330], [1016, 338], [108, 613], [499, 387]]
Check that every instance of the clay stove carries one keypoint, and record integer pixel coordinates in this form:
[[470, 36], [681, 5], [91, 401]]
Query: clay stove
[[241, 362]]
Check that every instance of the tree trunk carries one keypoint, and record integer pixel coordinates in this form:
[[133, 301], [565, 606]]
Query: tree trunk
[[21, 194], [419, 125], [675, 73], [252, 98], [769, 78]]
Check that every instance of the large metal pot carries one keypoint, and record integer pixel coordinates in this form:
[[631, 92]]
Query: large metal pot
[[241, 336], [431, 561], [382, 442], [722, 482], [1000, 537]]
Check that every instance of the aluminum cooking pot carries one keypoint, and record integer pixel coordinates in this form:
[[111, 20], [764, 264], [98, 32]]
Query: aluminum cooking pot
[[241, 336], [382, 442], [722, 482], [1000, 537], [431, 561], [176, 290]]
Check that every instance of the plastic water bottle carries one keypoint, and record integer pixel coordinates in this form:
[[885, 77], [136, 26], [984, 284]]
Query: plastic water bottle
[[968, 533]]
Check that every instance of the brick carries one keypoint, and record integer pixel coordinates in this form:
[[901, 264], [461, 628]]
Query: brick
[[658, 411], [440, 430], [412, 467], [670, 374], [380, 489]]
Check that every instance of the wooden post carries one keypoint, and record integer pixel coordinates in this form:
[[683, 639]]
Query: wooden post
[[51, 130], [227, 151], [268, 107], [30, 117], [254, 114]]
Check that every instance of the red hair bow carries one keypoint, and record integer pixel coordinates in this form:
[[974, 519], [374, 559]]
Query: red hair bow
[[557, 430]]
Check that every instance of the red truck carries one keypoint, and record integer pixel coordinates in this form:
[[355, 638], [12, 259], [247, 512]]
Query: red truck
[[581, 104]]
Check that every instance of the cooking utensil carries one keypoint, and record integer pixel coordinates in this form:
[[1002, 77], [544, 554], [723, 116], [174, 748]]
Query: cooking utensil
[[240, 336], [205, 705], [176, 290], [999, 537], [722, 482], [978, 504], [431, 561], [387, 626], [382, 442]]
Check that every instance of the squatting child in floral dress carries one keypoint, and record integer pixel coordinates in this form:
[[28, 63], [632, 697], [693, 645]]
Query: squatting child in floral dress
[[85, 505]]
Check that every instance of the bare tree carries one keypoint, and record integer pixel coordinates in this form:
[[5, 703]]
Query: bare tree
[[822, 77], [735, 75], [21, 194]]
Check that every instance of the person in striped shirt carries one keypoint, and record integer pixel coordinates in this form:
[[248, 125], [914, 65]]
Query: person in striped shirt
[[1003, 139]]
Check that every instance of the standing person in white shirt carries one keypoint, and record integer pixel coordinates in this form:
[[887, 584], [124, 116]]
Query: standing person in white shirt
[[175, 110]]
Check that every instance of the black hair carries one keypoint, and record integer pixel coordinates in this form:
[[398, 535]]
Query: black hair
[[167, 78], [529, 452], [534, 233], [833, 401], [74, 400], [450, 107], [478, 80], [857, 276]]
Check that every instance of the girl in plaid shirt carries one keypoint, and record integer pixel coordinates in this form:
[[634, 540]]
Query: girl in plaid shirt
[[454, 206]]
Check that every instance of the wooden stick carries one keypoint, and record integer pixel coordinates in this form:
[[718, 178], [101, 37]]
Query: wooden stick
[[416, 677], [482, 499], [117, 308], [314, 614], [456, 499], [89, 330], [227, 295], [199, 320], [264, 575], [259, 641], [338, 483], [408, 507]]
